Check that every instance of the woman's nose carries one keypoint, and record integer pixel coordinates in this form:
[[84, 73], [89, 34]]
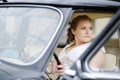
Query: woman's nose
[[88, 30]]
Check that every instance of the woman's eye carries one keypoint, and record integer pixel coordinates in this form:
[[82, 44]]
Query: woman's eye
[[83, 28], [91, 28]]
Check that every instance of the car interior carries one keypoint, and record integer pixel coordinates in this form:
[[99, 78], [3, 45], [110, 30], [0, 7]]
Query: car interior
[[112, 46]]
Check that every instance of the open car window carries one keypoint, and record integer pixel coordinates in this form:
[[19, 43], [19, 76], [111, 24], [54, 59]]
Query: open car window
[[26, 32], [100, 20], [110, 49]]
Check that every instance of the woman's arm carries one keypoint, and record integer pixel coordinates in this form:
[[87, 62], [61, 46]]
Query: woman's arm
[[98, 60]]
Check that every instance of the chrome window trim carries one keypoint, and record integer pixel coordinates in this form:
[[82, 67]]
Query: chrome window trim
[[119, 36], [99, 75]]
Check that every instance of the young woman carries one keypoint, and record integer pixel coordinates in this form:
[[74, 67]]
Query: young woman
[[79, 34]]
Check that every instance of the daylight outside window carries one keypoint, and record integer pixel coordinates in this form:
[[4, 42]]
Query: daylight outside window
[[25, 32]]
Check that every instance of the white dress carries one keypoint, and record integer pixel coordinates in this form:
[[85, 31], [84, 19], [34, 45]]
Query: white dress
[[69, 58]]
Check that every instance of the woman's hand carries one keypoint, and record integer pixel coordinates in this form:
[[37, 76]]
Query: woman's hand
[[60, 69]]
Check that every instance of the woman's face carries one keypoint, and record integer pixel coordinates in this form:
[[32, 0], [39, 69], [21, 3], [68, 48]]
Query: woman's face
[[83, 32]]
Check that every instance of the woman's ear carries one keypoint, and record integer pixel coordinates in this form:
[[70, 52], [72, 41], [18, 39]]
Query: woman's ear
[[73, 31]]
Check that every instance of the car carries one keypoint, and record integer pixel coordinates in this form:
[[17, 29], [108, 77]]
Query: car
[[32, 32]]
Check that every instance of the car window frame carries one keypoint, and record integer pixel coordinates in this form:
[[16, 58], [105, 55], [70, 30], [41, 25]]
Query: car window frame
[[39, 64]]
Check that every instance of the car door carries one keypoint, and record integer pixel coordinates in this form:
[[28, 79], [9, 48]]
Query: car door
[[28, 35]]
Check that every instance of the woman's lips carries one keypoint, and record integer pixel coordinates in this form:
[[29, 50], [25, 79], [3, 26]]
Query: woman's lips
[[87, 36]]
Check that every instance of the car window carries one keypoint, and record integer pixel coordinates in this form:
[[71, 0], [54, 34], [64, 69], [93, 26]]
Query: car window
[[26, 32], [111, 49], [100, 20]]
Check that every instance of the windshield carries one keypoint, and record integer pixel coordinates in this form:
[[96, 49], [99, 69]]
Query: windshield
[[25, 32]]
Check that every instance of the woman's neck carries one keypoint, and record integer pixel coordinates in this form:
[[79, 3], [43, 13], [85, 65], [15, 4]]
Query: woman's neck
[[79, 43]]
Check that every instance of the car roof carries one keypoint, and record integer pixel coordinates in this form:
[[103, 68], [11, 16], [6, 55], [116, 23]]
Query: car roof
[[74, 2]]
